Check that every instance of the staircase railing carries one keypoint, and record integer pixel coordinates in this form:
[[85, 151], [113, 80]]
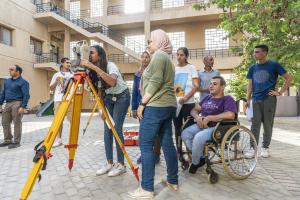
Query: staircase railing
[[92, 27]]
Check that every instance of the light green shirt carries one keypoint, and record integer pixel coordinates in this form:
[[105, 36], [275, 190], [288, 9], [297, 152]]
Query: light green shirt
[[158, 80], [121, 84]]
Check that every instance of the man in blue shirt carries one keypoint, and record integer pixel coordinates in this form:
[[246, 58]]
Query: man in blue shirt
[[261, 87], [16, 96]]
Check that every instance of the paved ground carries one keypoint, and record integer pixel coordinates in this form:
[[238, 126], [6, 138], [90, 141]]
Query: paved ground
[[277, 177]]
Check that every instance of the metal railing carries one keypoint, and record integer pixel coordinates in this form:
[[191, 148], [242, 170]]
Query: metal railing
[[199, 53], [121, 59], [194, 54], [46, 58], [115, 10], [92, 27], [159, 4]]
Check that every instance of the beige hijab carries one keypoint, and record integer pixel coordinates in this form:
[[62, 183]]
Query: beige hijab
[[161, 40]]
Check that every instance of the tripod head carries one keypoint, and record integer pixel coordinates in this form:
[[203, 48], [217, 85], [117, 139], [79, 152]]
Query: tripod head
[[82, 51]]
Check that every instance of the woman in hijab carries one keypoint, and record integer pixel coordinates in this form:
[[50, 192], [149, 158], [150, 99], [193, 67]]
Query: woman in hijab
[[156, 110]]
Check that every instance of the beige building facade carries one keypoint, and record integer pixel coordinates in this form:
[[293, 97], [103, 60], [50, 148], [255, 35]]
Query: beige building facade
[[36, 33]]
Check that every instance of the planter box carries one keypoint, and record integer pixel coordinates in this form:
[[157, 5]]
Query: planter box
[[286, 106]]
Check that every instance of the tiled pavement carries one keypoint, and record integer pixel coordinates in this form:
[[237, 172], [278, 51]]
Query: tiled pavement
[[277, 177]]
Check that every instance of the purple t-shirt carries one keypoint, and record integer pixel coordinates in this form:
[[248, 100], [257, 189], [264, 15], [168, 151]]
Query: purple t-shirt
[[214, 106]]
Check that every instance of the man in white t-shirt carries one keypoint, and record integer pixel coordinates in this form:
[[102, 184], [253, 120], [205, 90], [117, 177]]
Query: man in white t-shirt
[[58, 84]]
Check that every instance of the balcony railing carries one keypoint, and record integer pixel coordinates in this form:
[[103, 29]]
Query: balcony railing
[[199, 53], [46, 58], [121, 59], [160, 4], [115, 10], [194, 54], [92, 27]]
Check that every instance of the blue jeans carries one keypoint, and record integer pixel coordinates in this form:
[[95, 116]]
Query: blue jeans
[[195, 138], [157, 121], [118, 110]]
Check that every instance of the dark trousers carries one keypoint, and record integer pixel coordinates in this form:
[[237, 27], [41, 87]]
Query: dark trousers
[[178, 122], [264, 112]]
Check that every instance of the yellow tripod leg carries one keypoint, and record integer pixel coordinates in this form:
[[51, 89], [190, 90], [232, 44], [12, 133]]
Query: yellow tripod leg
[[90, 118], [47, 144], [107, 118], [75, 121]]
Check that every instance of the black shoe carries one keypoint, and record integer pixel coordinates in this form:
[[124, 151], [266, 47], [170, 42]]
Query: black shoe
[[202, 162], [4, 144], [193, 168], [14, 145]]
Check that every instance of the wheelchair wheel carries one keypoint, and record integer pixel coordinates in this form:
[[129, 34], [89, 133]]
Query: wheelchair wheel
[[185, 165], [236, 145], [213, 177]]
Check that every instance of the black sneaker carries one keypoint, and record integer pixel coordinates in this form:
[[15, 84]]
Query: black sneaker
[[193, 168], [14, 145], [4, 144]]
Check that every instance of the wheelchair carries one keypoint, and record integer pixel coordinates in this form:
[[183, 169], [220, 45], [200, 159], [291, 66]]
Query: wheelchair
[[229, 145]]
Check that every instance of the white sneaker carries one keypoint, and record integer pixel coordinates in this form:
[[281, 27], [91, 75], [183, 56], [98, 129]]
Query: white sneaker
[[117, 170], [105, 169], [140, 193], [170, 185], [250, 153], [57, 143], [265, 153]]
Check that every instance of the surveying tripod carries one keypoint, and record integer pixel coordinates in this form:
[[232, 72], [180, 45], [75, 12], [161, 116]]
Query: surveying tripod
[[74, 93]]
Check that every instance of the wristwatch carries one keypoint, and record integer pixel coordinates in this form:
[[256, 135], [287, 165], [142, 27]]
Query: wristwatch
[[143, 104]]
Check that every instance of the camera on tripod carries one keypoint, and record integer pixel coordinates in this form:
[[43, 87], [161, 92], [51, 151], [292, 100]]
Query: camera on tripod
[[82, 51]]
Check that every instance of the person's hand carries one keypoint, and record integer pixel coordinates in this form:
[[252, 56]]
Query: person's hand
[[205, 121], [140, 111], [199, 122], [87, 64], [59, 79], [274, 93], [134, 114], [182, 100], [21, 110]]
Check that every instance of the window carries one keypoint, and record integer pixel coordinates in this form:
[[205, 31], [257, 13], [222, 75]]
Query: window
[[177, 39], [94, 42], [72, 54], [216, 39], [75, 9], [172, 3], [5, 35], [96, 8], [134, 6], [135, 43], [36, 46]]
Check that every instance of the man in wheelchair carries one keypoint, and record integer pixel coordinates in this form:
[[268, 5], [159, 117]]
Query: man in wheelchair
[[212, 109]]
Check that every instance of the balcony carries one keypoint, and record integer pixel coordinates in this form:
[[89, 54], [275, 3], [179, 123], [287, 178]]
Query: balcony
[[46, 61]]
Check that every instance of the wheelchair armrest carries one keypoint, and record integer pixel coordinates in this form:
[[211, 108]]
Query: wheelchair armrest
[[228, 122]]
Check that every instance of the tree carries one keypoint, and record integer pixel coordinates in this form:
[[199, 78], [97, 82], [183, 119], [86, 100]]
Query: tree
[[275, 23]]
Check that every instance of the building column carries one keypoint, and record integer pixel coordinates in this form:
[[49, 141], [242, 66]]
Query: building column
[[67, 5], [105, 6], [67, 43], [147, 27]]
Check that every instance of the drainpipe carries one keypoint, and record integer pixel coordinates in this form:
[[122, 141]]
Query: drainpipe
[[298, 102]]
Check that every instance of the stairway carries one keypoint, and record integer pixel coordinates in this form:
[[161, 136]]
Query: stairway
[[96, 30]]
